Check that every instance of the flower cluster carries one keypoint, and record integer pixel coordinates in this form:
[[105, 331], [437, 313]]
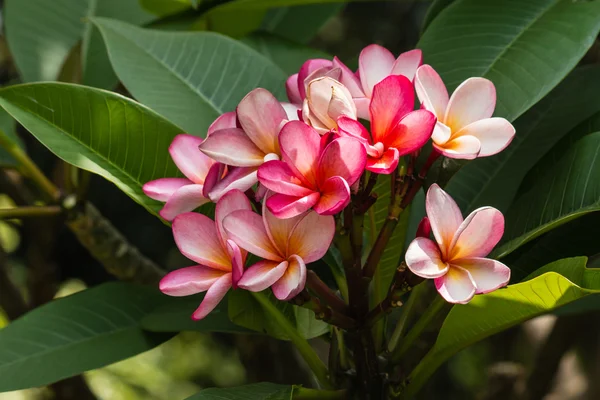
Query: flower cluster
[[304, 159]]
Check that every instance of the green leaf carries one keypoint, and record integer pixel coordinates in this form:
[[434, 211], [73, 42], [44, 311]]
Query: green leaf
[[246, 311], [175, 316], [9, 129], [195, 76], [569, 189], [266, 4], [234, 23], [163, 8], [524, 47], [98, 131], [257, 391], [493, 181], [494, 312], [77, 333], [436, 7]]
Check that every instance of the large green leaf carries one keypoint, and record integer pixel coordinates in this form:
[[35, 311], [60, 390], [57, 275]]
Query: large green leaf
[[491, 313], [266, 4], [436, 7], [257, 391], [568, 189], [98, 131], [526, 47], [9, 130], [189, 77], [41, 34], [77, 333], [493, 181]]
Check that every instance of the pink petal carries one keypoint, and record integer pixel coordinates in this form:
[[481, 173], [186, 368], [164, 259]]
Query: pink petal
[[473, 100], [412, 132], [348, 78], [392, 99], [293, 281], [291, 87], [335, 196], [344, 157], [231, 201], [232, 147], [341, 103], [431, 91], [351, 127], [187, 157], [292, 111], [375, 63], [213, 297], [494, 134], [407, 63], [424, 228], [457, 286], [318, 96], [424, 259], [278, 229], [225, 121], [197, 238], [300, 149], [386, 164], [187, 198], [461, 147], [278, 177], [308, 68], [262, 275], [215, 173], [162, 189], [362, 107], [240, 178], [261, 115], [311, 237], [488, 274], [323, 72], [284, 206], [238, 256], [190, 280], [477, 234], [441, 134], [247, 230], [444, 215]]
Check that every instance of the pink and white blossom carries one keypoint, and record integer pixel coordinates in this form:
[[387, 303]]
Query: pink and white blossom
[[465, 127], [456, 258], [326, 101], [220, 260], [286, 246]]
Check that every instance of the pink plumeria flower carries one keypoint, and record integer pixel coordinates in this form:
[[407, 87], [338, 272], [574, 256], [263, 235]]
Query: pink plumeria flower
[[311, 69], [311, 175], [326, 101], [375, 64], [206, 242], [286, 245], [456, 258], [465, 128], [396, 129], [185, 194]]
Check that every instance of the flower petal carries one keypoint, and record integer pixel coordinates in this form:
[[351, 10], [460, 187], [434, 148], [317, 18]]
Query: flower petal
[[308, 68], [386, 164], [238, 256], [225, 121], [293, 281], [362, 107], [215, 173], [247, 230], [407, 63], [412, 132], [278, 177], [278, 229], [494, 134], [348, 78], [213, 297], [335, 196], [444, 215], [300, 149], [187, 198], [232, 147], [441, 133], [190, 280], [293, 111], [197, 239], [477, 234], [162, 189], [240, 178], [488, 274], [392, 99], [462, 147], [318, 97], [262, 275], [284, 206], [187, 157], [351, 127], [423, 258], [261, 115], [474, 99], [228, 203], [345, 157], [341, 103], [291, 88], [374, 64], [456, 286], [431, 91], [311, 237]]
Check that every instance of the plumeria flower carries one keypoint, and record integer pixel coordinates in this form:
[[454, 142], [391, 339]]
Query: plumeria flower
[[456, 258], [260, 117], [396, 129], [465, 128], [311, 175], [220, 260], [286, 245], [296, 84], [326, 101], [185, 194]]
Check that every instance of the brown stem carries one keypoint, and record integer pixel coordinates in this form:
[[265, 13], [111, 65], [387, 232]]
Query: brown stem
[[314, 283], [324, 312], [30, 212]]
